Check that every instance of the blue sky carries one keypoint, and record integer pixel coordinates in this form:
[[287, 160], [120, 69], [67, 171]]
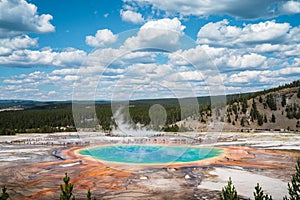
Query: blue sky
[[55, 50]]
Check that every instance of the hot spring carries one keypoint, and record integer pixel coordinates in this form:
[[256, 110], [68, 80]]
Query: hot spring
[[151, 154]]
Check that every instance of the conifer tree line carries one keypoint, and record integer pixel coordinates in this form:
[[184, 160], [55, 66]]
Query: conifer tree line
[[59, 116]]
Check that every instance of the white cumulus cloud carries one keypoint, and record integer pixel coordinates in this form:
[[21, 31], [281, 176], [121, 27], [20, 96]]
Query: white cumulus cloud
[[65, 71], [246, 9], [19, 16], [291, 7], [102, 38], [131, 16], [223, 34], [44, 57], [20, 42], [163, 33]]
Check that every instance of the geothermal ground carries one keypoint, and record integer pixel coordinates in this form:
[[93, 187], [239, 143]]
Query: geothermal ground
[[32, 166]]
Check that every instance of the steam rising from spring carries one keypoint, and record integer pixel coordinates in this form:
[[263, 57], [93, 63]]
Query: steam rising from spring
[[126, 127]]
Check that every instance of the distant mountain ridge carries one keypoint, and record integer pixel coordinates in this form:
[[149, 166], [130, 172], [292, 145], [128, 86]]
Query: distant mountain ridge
[[31, 104]]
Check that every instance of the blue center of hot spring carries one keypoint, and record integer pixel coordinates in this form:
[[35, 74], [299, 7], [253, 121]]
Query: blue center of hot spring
[[151, 154]]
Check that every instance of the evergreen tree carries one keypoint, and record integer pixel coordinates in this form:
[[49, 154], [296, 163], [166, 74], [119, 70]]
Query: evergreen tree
[[271, 102], [229, 192], [244, 105], [4, 195], [254, 112], [298, 124], [89, 195], [297, 115], [273, 119], [259, 194], [66, 189], [260, 99], [291, 111], [242, 122], [252, 115], [298, 93], [254, 105], [260, 119], [283, 100], [294, 186], [265, 118], [235, 109], [228, 118]]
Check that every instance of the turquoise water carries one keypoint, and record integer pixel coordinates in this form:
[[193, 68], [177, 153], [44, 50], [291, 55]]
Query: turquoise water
[[150, 154]]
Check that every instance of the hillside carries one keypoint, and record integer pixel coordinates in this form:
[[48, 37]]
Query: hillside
[[275, 109]]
